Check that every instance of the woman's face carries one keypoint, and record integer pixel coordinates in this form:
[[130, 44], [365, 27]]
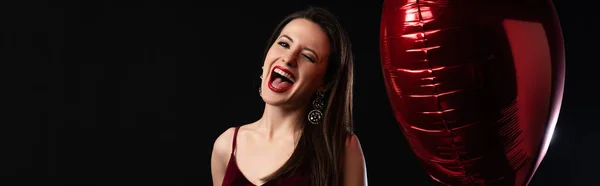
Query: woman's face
[[295, 65]]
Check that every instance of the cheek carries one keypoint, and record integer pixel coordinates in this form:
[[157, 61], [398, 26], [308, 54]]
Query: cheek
[[315, 75], [271, 54], [321, 70]]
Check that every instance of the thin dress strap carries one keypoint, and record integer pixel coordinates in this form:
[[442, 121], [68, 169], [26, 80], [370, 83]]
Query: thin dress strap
[[234, 140]]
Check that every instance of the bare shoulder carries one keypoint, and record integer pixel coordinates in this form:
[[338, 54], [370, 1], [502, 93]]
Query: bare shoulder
[[220, 155], [353, 144], [222, 145], [355, 169]]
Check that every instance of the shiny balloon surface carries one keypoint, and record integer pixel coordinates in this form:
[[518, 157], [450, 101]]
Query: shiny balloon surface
[[476, 86]]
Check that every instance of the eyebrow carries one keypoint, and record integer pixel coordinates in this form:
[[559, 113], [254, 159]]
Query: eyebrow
[[305, 48]]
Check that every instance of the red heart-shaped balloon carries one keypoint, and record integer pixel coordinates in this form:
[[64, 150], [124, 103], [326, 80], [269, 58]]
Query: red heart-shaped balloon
[[476, 86]]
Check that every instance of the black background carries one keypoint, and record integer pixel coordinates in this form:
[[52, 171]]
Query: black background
[[135, 93]]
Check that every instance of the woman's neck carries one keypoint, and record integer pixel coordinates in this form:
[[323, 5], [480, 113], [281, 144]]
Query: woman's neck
[[277, 122]]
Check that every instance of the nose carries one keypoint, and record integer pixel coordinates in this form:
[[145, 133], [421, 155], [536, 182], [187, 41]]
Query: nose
[[290, 59]]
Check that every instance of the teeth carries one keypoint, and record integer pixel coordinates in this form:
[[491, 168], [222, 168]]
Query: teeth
[[284, 74]]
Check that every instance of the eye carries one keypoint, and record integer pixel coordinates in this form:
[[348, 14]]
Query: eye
[[309, 58], [283, 44]]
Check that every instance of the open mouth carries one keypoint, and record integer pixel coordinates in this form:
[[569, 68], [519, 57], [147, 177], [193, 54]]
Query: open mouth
[[281, 79]]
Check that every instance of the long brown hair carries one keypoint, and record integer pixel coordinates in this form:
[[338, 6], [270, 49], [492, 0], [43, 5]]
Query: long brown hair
[[321, 147]]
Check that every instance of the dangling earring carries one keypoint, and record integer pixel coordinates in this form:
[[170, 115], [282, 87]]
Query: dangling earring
[[315, 115], [260, 85]]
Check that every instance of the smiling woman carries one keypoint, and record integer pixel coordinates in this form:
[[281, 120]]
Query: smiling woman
[[305, 135]]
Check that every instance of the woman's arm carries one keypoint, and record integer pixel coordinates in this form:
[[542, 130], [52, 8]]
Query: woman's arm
[[220, 156], [355, 170]]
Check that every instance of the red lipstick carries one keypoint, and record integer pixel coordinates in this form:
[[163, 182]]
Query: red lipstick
[[271, 79]]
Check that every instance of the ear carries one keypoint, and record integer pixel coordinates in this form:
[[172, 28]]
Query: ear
[[326, 86]]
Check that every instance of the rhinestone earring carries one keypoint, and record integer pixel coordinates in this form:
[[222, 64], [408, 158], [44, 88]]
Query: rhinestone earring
[[263, 68], [260, 86], [316, 115]]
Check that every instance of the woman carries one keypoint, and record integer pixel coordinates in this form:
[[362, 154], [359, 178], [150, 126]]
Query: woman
[[304, 136]]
